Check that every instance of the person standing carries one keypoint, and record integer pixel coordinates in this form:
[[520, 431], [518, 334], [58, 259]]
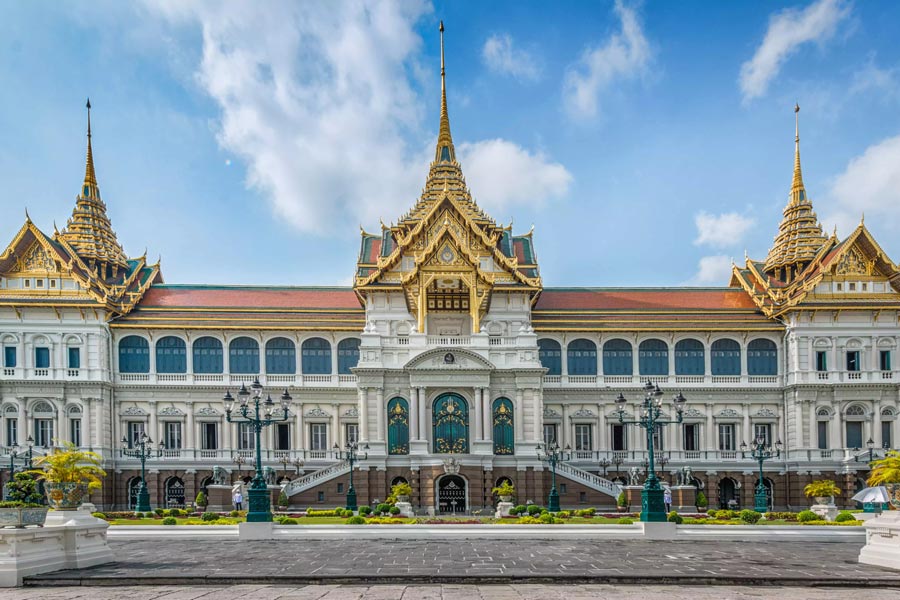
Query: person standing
[[238, 500], [667, 498]]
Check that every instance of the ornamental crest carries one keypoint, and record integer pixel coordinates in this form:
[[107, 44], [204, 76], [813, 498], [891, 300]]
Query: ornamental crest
[[134, 411], [208, 411], [37, 260], [550, 413], [352, 412], [728, 412], [693, 413], [766, 412], [451, 466], [170, 411], [317, 412], [583, 413], [853, 263]]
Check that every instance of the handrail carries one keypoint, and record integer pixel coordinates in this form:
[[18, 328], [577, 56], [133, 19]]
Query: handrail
[[589, 479], [316, 477]]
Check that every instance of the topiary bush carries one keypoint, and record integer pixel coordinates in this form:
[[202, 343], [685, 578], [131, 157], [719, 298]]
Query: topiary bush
[[547, 519], [781, 516], [806, 516], [518, 509], [750, 517], [169, 521], [674, 517], [24, 488], [701, 500], [564, 514], [712, 514], [844, 516], [394, 510], [382, 508], [364, 510], [160, 511], [175, 512], [625, 521], [138, 515], [209, 516], [533, 509], [357, 520], [201, 500]]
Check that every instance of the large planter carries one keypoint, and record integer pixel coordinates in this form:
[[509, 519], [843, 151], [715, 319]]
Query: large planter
[[621, 509], [505, 498], [893, 490], [65, 496], [403, 498], [22, 517], [824, 500]]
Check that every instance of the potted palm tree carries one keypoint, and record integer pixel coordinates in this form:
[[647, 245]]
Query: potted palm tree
[[823, 491], [69, 474], [886, 472], [505, 491], [402, 491]]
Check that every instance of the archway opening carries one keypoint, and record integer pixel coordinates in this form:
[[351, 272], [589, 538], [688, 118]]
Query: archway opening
[[452, 495]]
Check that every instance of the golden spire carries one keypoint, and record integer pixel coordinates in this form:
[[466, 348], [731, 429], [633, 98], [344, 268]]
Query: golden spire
[[798, 192], [90, 177], [444, 151]]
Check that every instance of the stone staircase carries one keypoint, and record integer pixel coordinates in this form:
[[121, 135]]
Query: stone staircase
[[313, 479], [590, 480]]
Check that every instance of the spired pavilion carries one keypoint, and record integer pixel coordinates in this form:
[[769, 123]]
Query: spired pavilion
[[452, 362]]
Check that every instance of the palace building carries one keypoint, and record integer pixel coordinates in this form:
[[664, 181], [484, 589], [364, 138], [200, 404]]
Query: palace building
[[451, 362]]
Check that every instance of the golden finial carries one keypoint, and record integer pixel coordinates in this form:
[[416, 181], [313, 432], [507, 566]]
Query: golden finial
[[90, 177], [798, 192], [444, 151], [27, 216], [862, 218]]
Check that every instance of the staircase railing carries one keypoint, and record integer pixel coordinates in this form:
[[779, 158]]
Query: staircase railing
[[589, 479], [316, 477]]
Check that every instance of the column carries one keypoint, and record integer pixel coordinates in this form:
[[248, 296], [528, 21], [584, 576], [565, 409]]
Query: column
[[519, 417], [153, 431], [423, 416], [798, 419], [298, 423], [363, 408], [190, 441], [564, 430], [413, 414], [710, 428], [707, 363], [335, 423], [538, 413], [879, 443], [602, 431], [488, 414], [813, 429], [86, 418], [379, 418], [477, 414], [747, 434], [227, 439]]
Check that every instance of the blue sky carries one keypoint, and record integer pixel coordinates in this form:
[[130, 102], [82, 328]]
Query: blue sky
[[648, 143]]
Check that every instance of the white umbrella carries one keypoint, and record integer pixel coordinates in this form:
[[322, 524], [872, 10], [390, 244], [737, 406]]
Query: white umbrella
[[872, 494]]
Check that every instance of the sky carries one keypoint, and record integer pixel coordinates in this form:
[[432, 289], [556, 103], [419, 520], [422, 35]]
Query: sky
[[648, 143]]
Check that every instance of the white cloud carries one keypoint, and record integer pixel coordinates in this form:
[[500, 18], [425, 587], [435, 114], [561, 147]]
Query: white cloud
[[870, 184], [322, 109], [623, 56], [788, 30], [723, 230], [500, 56], [502, 173], [712, 270], [872, 78]]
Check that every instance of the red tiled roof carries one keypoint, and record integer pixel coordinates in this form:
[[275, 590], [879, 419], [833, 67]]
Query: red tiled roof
[[662, 299], [188, 296]]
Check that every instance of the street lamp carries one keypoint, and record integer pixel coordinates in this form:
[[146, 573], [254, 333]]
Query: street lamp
[[298, 464], [604, 464], [662, 460], [351, 455], [143, 450], [239, 461], [553, 455], [617, 460], [760, 451], [870, 445], [259, 417], [653, 507]]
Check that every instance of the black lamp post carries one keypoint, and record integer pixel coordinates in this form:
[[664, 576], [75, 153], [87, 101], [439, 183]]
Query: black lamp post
[[870, 445], [351, 455], [554, 455], [617, 460], [653, 507], [259, 417], [761, 452], [298, 464], [143, 450], [604, 464]]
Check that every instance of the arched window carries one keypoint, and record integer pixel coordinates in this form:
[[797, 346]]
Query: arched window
[[856, 411], [450, 423], [762, 357], [725, 357], [174, 492], [316, 357], [398, 426], [134, 486], [550, 354], [348, 355], [653, 357], [689, 357], [581, 357], [171, 355], [617, 358], [243, 356], [134, 355], [281, 356], [398, 480], [208, 355], [504, 433]]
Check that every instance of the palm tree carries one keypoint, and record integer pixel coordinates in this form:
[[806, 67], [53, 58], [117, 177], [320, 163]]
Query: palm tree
[[885, 470]]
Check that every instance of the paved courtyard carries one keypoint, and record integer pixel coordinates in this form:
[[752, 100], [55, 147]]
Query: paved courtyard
[[361, 562]]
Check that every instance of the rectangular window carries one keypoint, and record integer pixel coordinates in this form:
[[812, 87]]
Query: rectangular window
[[318, 436], [726, 436], [853, 360], [135, 431], [582, 497], [12, 432], [351, 432], [884, 360], [822, 434], [619, 438], [854, 434], [9, 357], [886, 441], [658, 439], [763, 430], [283, 436], [209, 436], [691, 436], [41, 358], [562, 488], [74, 358], [246, 437], [583, 437], [75, 431], [172, 437], [821, 360], [340, 488], [321, 497], [550, 433], [43, 432]]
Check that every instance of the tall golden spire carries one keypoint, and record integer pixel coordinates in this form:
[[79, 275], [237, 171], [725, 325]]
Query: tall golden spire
[[445, 151], [800, 235], [89, 230]]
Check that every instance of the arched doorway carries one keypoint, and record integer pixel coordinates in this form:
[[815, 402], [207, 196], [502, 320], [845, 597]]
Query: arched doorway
[[451, 494], [174, 493], [134, 486], [728, 492], [451, 424], [770, 493]]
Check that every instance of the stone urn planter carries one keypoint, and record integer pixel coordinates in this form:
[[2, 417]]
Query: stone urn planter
[[506, 498], [403, 498], [22, 517], [65, 496], [824, 500]]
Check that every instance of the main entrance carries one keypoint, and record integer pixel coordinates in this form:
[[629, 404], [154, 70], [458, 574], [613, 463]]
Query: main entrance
[[451, 494]]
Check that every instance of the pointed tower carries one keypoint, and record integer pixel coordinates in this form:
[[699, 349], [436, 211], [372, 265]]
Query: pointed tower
[[89, 231], [800, 235]]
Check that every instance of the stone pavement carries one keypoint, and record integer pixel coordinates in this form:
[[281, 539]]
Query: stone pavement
[[436, 592], [485, 561]]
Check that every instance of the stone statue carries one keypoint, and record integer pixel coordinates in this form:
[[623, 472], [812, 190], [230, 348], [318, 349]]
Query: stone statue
[[688, 476], [218, 476], [269, 475], [634, 476]]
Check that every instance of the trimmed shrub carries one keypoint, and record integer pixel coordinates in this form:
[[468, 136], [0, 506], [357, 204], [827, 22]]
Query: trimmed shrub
[[201, 500], [548, 519], [528, 520], [518, 509], [674, 517], [332, 512], [533, 509], [625, 521], [357, 520], [160, 511], [564, 514], [234, 513], [750, 517], [701, 500], [723, 515], [176, 512], [622, 500], [99, 515], [806, 516], [169, 521], [138, 515], [395, 510], [289, 521], [364, 510], [781, 516], [843, 516], [382, 508], [209, 516], [711, 514]]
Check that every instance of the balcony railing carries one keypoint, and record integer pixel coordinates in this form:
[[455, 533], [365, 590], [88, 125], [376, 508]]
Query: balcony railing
[[343, 380], [552, 381]]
